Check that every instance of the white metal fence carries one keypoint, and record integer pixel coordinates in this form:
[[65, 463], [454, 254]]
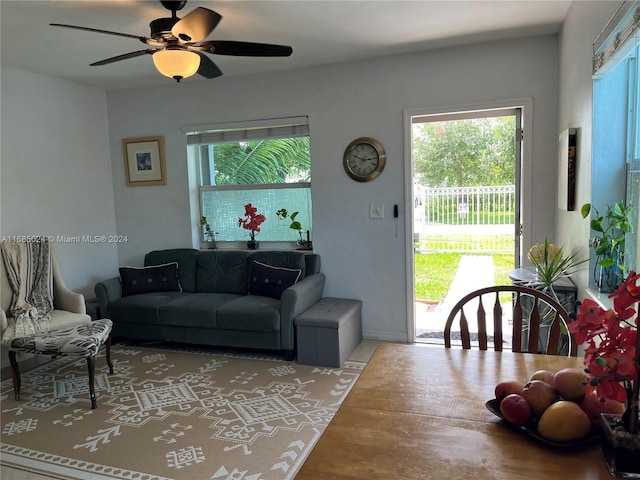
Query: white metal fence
[[465, 219]]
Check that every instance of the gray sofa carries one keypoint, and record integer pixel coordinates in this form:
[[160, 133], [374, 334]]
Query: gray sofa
[[214, 297]]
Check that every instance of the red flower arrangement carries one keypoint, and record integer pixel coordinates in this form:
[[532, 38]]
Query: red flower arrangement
[[252, 220], [612, 353]]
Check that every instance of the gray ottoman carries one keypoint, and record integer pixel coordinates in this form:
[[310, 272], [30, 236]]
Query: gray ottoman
[[329, 332]]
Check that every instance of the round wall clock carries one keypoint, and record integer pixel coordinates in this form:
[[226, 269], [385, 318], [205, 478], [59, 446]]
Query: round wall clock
[[364, 159]]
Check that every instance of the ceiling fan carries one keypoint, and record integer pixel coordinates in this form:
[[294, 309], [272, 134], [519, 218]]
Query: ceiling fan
[[178, 50]]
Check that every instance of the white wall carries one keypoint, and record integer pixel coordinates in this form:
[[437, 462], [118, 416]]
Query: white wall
[[582, 25], [361, 257], [55, 171]]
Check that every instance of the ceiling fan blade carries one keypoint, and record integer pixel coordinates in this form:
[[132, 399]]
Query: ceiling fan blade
[[97, 30], [196, 25], [124, 57], [207, 68], [245, 49]]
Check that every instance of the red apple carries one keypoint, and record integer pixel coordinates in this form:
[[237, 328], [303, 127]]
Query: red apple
[[505, 388], [539, 395], [593, 406], [515, 409]]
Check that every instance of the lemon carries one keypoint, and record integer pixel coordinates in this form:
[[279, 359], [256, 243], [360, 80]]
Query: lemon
[[564, 421]]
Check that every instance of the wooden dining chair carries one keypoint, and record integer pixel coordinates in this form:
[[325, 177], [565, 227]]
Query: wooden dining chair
[[530, 308]]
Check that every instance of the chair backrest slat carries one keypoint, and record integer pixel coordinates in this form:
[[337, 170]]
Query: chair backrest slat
[[553, 346], [530, 307], [534, 327], [517, 324], [464, 331], [497, 324], [482, 325]]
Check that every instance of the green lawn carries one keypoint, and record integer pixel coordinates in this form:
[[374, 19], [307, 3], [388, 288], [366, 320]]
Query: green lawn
[[470, 242], [434, 273]]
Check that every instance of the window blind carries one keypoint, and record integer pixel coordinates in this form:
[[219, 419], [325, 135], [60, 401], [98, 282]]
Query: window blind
[[619, 37], [248, 130]]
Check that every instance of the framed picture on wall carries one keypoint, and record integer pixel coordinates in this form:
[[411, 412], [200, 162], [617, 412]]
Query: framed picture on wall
[[567, 170], [144, 161]]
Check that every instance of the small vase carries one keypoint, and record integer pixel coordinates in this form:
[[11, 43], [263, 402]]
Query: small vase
[[252, 245], [609, 280], [620, 450]]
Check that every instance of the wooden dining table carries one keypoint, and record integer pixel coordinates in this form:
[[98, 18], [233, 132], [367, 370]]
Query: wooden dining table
[[418, 412]]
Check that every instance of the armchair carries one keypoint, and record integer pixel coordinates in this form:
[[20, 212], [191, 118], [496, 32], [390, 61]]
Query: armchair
[[69, 308]]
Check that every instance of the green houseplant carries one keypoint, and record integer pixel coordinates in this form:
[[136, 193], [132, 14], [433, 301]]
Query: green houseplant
[[552, 263], [608, 243], [295, 225], [209, 234]]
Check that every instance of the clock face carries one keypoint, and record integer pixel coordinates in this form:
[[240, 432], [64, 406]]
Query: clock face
[[364, 159]]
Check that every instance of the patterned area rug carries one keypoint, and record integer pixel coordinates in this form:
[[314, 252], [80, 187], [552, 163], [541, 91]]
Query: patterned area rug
[[167, 414]]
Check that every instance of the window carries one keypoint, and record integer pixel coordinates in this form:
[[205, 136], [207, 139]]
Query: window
[[633, 157], [616, 122], [266, 163]]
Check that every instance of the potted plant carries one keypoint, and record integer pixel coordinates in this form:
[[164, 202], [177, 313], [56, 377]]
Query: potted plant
[[608, 243], [295, 225], [209, 234], [251, 221], [551, 264], [612, 360]]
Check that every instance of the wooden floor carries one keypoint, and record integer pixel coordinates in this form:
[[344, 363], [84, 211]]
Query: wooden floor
[[362, 354]]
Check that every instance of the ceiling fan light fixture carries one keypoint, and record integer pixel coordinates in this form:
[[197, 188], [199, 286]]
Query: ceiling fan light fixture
[[176, 64]]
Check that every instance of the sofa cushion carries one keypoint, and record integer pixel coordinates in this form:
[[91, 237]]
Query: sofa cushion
[[252, 313], [222, 272], [295, 260], [159, 278], [186, 258], [194, 310], [141, 308], [271, 281]]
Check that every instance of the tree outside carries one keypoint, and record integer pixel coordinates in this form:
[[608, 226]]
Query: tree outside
[[465, 153], [282, 160]]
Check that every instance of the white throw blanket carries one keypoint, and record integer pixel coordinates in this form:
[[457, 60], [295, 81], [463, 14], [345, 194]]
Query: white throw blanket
[[28, 267]]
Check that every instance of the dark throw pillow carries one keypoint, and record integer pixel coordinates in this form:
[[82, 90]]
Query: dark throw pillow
[[269, 281], [157, 278]]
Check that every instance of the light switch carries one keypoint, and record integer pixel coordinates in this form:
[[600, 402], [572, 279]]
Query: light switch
[[376, 210]]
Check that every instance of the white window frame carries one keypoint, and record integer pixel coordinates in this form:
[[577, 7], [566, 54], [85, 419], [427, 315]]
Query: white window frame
[[207, 134]]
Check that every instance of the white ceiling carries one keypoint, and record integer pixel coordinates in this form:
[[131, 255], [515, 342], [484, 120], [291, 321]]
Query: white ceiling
[[320, 32]]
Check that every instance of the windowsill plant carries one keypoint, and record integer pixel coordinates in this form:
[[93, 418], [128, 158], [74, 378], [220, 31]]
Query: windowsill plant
[[608, 242], [251, 221], [295, 225], [209, 234]]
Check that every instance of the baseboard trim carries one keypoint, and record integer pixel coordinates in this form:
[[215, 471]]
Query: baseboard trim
[[384, 336]]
